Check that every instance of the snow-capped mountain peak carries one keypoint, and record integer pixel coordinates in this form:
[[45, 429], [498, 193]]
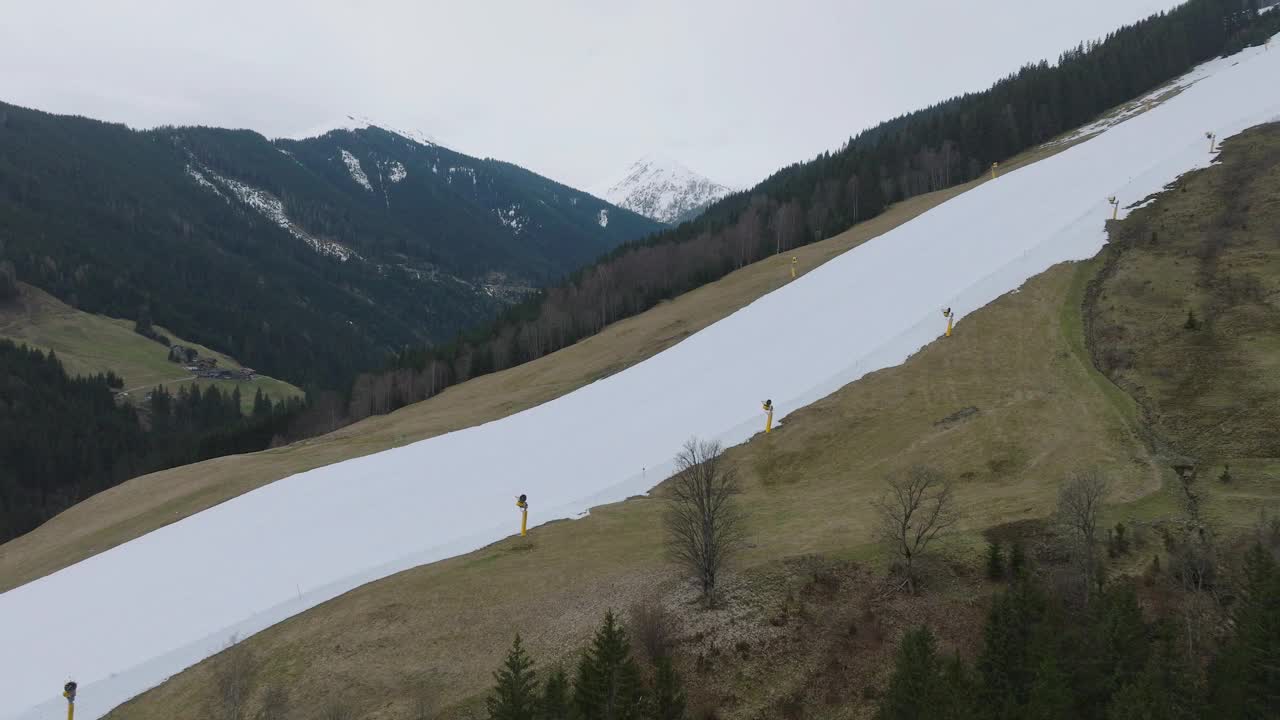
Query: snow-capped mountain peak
[[662, 189], [360, 122]]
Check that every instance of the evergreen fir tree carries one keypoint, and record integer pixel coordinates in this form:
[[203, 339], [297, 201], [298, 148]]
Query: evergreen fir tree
[[555, 698], [958, 692], [1051, 697], [1166, 690], [143, 324], [1017, 560], [915, 687], [668, 695], [1245, 679], [8, 281], [608, 683], [261, 404], [995, 561], [1117, 645], [514, 695], [1006, 663]]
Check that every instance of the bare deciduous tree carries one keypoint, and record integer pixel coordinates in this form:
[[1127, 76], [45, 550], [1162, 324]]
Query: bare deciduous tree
[[275, 704], [704, 525], [1079, 505], [914, 510], [234, 672], [650, 627]]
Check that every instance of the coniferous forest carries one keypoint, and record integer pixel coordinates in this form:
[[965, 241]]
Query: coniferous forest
[[66, 438], [1043, 657], [948, 144], [1040, 654]]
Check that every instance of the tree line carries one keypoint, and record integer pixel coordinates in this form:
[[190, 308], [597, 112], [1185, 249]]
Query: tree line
[[8, 281], [608, 684], [64, 438], [947, 144], [1043, 657]]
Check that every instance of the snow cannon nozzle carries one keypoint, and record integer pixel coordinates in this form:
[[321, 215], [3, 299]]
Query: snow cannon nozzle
[[69, 691]]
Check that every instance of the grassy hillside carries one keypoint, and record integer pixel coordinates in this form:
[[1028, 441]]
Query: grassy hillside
[[91, 344], [1186, 318], [1006, 406]]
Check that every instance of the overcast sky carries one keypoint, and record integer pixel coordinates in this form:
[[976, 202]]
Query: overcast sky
[[574, 89]]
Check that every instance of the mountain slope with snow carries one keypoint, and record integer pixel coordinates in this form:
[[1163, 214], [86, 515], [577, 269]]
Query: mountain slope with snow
[[308, 259], [126, 619], [664, 190]]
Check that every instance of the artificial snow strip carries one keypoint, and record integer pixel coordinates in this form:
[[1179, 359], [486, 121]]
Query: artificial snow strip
[[124, 620]]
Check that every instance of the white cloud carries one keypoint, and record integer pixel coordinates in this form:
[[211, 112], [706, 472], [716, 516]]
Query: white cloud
[[575, 89]]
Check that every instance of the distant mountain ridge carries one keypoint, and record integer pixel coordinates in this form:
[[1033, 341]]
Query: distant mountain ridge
[[309, 259], [664, 190]]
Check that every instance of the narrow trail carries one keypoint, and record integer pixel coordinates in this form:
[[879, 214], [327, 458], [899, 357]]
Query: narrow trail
[[1138, 435]]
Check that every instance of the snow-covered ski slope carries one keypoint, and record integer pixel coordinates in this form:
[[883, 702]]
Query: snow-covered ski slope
[[124, 620]]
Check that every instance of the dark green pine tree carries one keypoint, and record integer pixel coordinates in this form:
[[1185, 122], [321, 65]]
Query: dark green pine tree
[[1115, 649], [1007, 664], [143, 324], [608, 683], [1166, 690], [995, 561], [554, 704], [1017, 560], [1245, 679], [1051, 696], [8, 281], [915, 687], [261, 404], [668, 695], [957, 699], [515, 695]]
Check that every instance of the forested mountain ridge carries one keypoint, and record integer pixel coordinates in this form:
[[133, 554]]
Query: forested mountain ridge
[[307, 259], [942, 146]]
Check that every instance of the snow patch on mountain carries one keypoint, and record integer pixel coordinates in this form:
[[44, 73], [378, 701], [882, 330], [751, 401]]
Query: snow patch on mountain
[[270, 207], [603, 219], [662, 189], [203, 181], [396, 172], [464, 171], [357, 172], [511, 219]]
